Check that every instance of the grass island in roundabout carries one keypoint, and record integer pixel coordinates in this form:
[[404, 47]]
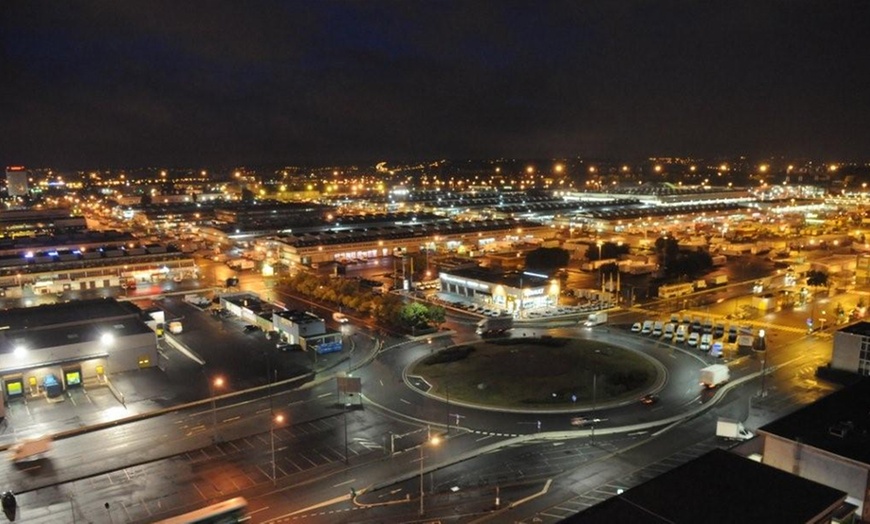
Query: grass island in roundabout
[[538, 373]]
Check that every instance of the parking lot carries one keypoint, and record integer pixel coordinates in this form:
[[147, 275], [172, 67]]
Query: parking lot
[[716, 338]]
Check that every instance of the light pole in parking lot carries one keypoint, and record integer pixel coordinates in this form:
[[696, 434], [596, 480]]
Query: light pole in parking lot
[[275, 419], [434, 441], [213, 385], [594, 401]]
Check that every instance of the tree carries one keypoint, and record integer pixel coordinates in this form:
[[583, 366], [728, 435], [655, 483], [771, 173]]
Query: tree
[[437, 315], [667, 250], [608, 250], [414, 315], [547, 258], [817, 278], [607, 269]]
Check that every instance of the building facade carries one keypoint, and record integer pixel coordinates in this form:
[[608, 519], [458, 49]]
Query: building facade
[[59, 346], [852, 349], [505, 292]]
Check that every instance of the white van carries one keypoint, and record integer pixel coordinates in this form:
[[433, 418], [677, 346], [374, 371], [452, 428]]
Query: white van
[[680, 335], [647, 327], [706, 341], [657, 328], [669, 330]]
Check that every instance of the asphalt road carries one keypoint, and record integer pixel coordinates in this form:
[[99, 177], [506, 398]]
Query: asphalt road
[[118, 465]]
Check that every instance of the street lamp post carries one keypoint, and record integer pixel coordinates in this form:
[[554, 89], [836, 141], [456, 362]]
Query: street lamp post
[[762, 347], [276, 419], [594, 401], [434, 441], [212, 385]]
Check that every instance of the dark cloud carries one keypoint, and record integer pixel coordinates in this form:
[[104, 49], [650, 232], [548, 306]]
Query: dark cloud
[[207, 83]]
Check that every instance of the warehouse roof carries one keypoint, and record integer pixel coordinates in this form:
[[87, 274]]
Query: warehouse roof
[[718, 487]]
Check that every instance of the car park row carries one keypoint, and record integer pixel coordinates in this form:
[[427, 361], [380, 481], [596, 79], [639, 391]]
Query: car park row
[[695, 332]]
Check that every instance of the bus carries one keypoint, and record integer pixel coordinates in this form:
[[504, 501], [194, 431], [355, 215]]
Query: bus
[[229, 511]]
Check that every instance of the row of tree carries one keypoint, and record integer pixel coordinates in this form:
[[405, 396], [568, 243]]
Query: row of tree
[[388, 309]]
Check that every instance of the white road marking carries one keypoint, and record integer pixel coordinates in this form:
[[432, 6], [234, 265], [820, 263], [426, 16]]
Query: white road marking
[[344, 483]]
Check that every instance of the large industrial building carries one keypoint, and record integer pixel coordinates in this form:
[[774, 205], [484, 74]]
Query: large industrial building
[[313, 248], [47, 349], [827, 442]]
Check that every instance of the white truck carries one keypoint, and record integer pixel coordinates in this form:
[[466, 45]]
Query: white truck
[[495, 325], [715, 375], [732, 429], [596, 319]]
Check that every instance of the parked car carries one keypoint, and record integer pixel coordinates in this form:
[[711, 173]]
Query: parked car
[[647, 327], [708, 326], [718, 330], [716, 350], [669, 330], [680, 335], [706, 341], [732, 334], [693, 339], [635, 328]]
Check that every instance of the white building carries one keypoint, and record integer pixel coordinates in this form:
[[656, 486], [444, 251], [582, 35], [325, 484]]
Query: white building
[[508, 292]]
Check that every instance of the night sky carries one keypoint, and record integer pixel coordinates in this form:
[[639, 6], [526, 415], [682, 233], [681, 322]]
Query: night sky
[[179, 83]]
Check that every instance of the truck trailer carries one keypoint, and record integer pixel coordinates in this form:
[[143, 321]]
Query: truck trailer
[[731, 429], [495, 325], [596, 319], [715, 375]]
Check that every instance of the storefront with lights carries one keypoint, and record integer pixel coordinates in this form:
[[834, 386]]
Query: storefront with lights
[[510, 292]]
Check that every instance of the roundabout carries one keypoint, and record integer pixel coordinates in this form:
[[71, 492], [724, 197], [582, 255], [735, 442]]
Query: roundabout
[[537, 374], [393, 385]]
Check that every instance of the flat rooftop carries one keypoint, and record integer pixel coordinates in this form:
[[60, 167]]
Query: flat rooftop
[[299, 317], [75, 322], [838, 423], [718, 487], [859, 328], [511, 279], [73, 312]]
